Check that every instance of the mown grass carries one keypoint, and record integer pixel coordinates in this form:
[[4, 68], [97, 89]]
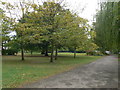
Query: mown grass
[[16, 73]]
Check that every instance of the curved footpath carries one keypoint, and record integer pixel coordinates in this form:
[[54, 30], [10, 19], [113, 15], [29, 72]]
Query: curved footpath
[[102, 73]]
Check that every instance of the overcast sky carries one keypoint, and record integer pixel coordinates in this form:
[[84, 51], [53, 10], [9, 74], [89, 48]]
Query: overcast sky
[[85, 8], [89, 6]]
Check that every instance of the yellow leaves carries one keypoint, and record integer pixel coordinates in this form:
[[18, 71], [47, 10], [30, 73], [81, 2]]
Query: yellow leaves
[[34, 5], [3, 3], [37, 37], [92, 46]]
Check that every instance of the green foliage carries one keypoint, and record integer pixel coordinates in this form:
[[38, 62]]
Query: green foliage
[[12, 47], [51, 23], [11, 51], [95, 53], [107, 26], [6, 30]]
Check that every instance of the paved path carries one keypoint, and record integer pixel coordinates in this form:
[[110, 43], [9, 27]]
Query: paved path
[[102, 73]]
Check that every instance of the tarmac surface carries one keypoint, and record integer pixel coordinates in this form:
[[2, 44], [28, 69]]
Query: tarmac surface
[[102, 73]]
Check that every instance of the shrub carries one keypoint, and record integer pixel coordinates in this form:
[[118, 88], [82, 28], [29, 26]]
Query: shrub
[[9, 52], [98, 53]]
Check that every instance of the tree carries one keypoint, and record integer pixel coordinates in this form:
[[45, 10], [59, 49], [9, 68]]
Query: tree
[[21, 7], [6, 30], [50, 26], [25, 32], [76, 33], [107, 26]]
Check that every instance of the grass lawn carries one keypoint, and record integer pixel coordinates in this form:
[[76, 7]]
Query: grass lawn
[[16, 72]]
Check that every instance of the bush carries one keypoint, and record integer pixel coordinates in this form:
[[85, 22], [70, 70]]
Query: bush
[[98, 53], [90, 53], [4, 52], [9, 52]]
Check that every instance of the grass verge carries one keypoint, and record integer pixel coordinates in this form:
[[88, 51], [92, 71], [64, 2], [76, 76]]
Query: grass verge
[[16, 72]]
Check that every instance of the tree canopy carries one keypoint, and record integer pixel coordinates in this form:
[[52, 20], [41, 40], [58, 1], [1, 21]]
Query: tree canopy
[[47, 27], [107, 26]]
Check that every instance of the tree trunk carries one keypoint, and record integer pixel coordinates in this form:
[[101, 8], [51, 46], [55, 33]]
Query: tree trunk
[[46, 52], [74, 52], [5, 46], [2, 50], [22, 54], [52, 50], [56, 54], [2, 45], [31, 52], [42, 52]]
